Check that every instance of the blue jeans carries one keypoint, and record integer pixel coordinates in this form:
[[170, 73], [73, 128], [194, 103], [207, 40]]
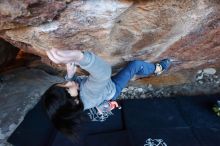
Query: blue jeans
[[136, 67]]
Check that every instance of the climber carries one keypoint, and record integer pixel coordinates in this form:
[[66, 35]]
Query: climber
[[64, 102]]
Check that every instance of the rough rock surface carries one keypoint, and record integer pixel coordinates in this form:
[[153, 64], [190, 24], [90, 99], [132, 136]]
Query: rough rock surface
[[118, 30], [20, 90], [16, 14]]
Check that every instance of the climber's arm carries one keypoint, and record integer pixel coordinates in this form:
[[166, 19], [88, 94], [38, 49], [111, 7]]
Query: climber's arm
[[99, 69]]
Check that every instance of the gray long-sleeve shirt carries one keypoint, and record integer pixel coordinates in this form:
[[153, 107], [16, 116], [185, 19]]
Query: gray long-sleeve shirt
[[98, 86]]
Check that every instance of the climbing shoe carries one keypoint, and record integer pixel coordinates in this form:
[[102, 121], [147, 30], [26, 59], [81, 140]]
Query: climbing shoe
[[162, 66]]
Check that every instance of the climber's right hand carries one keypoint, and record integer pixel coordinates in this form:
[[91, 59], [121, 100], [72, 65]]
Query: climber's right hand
[[64, 56]]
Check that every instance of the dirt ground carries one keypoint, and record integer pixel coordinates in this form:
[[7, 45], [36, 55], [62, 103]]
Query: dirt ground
[[204, 81]]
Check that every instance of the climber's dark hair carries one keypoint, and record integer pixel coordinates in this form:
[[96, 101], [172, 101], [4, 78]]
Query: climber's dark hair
[[64, 111]]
